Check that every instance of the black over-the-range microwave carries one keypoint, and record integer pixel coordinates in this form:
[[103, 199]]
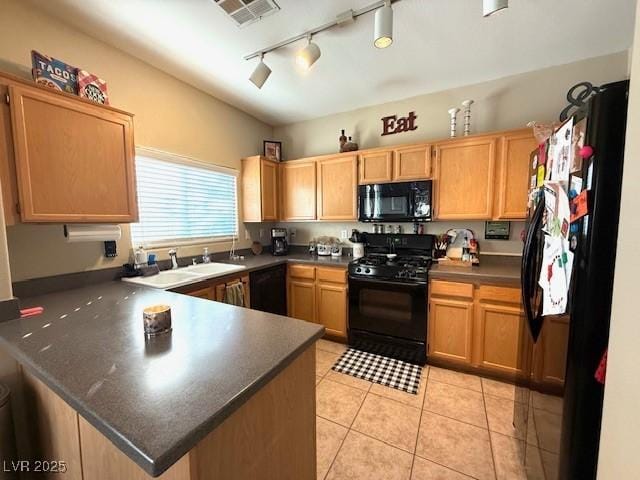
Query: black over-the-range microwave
[[395, 202]]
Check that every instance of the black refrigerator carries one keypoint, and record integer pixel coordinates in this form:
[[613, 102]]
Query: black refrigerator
[[592, 238]]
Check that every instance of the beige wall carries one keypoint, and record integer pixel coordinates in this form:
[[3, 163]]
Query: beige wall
[[306, 232], [621, 420], [169, 115], [501, 104]]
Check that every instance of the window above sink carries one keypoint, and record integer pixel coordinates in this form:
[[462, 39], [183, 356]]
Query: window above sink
[[183, 201]]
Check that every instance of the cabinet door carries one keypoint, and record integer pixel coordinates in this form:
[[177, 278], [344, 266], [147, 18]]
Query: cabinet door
[[302, 300], [269, 190], [74, 161], [465, 179], [332, 308], [513, 178], [206, 293], [499, 330], [7, 163], [555, 339], [298, 191], [337, 188], [375, 167], [450, 329], [412, 163]]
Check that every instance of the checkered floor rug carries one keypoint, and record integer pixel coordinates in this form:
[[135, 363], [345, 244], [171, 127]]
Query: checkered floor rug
[[378, 369]]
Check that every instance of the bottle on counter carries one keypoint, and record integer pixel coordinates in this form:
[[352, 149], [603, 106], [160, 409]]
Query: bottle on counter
[[140, 257], [465, 250]]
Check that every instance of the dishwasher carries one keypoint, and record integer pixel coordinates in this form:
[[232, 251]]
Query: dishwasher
[[268, 289]]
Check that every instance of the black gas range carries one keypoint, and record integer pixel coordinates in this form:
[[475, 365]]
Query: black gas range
[[403, 268], [388, 296]]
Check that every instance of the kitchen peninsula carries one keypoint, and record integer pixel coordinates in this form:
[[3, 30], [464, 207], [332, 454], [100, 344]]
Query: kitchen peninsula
[[228, 393]]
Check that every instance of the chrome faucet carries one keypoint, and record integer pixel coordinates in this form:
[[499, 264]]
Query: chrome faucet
[[173, 255]]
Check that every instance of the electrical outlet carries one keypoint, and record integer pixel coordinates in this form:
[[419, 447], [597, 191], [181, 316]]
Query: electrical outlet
[[292, 233], [247, 235], [262, 233], [344, 234]]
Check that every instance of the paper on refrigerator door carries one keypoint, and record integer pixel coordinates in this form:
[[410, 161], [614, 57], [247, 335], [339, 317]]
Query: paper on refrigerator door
[[563, 150], [555, 275]]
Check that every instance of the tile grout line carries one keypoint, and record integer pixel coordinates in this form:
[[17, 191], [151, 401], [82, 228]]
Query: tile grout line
[[415, 445], [493, 460], [348, 431]]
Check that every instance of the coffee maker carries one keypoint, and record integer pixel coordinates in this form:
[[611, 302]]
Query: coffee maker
[[279, 242]]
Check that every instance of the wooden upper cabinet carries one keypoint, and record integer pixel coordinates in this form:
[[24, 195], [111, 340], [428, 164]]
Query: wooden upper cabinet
[[298, 191], [259, 189], [74, 160], [412, 163], [513, 175], [337, 188], [375, 166], [465, 180], [7, 162]]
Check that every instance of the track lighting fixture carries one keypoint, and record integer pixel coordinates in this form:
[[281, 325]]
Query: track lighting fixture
[[490, 7], [260, 73], [383, 32], [308, 55]]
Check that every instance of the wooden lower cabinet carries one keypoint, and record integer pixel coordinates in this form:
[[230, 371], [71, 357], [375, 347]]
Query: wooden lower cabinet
[[550, 353], [450, 328], [499, 328], [319, 295], [302, 299], [332, 308], [479, 327], [214, 289]]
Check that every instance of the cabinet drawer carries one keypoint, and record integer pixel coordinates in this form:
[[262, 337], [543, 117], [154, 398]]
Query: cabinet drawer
[[490, 293], [451, 289], [335, 275], [302, 271]]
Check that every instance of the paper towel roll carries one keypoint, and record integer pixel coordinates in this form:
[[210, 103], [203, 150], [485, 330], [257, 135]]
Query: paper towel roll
[[92, 233]]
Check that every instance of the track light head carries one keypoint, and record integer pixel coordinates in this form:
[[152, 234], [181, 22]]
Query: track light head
[[383, 32], [307, 56], [260, 73], [490, 7]]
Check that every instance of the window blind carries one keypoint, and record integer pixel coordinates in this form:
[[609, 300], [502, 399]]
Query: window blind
[[181, 203]]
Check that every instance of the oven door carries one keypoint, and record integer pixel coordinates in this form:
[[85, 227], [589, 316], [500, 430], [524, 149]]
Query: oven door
[[388, 308]]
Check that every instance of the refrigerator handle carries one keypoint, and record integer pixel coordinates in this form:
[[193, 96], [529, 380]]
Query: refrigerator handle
[[528, 254]]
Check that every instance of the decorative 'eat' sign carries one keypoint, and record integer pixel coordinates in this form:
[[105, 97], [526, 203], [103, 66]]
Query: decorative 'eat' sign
[[392, 124]]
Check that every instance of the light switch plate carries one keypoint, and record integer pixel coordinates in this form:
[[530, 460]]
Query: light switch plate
[[292, 232], [344, 234]]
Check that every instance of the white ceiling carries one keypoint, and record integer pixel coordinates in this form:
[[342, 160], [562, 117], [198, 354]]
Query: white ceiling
[[438, 44]]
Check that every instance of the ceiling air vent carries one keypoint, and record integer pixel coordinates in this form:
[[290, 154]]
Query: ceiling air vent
[[245, 12]]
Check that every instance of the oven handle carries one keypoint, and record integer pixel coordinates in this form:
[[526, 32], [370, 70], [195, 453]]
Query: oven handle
[[413, 286]]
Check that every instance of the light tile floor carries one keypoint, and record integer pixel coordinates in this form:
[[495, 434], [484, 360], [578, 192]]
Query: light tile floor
[[457, 427]]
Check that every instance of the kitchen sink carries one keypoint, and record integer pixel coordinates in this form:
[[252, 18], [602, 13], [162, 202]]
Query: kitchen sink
[[214, 268], [168, 279]]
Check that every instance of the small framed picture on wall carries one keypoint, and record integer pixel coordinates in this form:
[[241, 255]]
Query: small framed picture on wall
[[272, 150]]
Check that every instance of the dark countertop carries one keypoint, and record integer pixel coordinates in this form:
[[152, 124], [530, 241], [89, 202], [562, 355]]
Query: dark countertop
[[154, 399], [495, 269], [266, 260]]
